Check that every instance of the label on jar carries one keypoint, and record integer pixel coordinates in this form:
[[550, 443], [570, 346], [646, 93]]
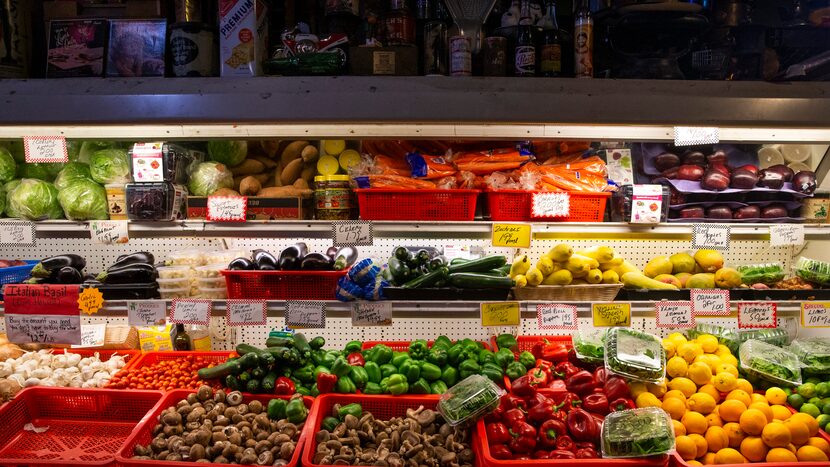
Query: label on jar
[[552, 59], [116, 202], [333, 203], [584, 50], [461, 59], [525, 59], [383, 63]]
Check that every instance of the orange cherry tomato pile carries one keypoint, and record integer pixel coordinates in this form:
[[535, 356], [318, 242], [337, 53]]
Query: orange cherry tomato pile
[[165, 375]]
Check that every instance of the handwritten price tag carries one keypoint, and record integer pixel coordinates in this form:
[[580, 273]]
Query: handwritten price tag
[[92, 335], [786, 234], [16, 233], [45, 149], [109, 232], [90, 301], [550, 205], [246, 312], [500, 314], [611, 314], [44, 314], [715, 237], [227, 208], [511, 235], [352, 233], [305, 314], [815, 314], [710, 302], [674, 314], [556, 316], [691, 135], [146, 313], [754, 315], [371, 314], [187, 311]]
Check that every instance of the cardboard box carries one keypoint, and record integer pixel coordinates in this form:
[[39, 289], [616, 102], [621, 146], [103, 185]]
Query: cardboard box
[[261, 209], [243, 37], [70, 9], [76, 48], [136, 48], [397, 61]]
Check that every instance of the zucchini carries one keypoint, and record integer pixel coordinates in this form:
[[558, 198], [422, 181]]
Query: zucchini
[[266, 360], [459, 261], [249, 360], [399, 269], [243, 349], [228, 368], [402, 254], [301, 344], [243, 378], [284, 354], [469, 280], [479, 265], [257, 373], [232, 383], [427, 280], [268, 383], [279, 342], [253, 386]]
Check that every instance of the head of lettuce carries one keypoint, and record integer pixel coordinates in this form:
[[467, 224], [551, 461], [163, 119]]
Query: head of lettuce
[[83, 200], [110, 166], [34, 199]]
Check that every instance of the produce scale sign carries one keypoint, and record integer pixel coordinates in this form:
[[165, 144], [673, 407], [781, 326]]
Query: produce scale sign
[[43, 314]]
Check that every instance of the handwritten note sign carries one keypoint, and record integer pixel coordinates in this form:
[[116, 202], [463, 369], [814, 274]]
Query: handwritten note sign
[[352, 233], [92, 335], [611, 314], [512, 235], [786, 234], [556, 316], [146, 312], [710, 302], [246, 312], [692, 135], [711, 236], [550, 205], [227, 208], [188, 311], [44, 314], [17, 233], [90, 301], [371, 314], [674, 314], [815, 314], [109, 232], [500, 314], [755, 315], [47, 149], [305, 314]]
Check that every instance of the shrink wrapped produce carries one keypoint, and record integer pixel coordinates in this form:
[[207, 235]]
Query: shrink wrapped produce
[[209, 177], [34, 200], [83, 200]]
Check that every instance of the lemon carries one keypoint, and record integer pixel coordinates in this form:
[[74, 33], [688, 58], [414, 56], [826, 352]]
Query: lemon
[[702, 403], [669, 347], [648, 399], [725, 382], [677, 367], [658, 390], [729, 360], [689, 351], [684, 385], [723, 367], [708, 342], [678, 339], [675, 394], [722, 350], [710, 359], [636, 388], [700, 373], [676, 408]]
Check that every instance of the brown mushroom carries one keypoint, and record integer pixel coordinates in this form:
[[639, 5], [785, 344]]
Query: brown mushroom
[[233, 399], [265, 458], [204, 393]]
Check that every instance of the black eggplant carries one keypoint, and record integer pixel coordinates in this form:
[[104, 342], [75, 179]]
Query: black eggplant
[[139, 273], [134, 258], [344, 258], [302, 247], [268, 267], [45, 267], [316, 262], [292, 257], [242, 264], [262, 259], [65, 275], [332, 252]]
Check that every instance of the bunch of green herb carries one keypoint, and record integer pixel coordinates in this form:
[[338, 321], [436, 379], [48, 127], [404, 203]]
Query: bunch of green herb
[[637, 433]]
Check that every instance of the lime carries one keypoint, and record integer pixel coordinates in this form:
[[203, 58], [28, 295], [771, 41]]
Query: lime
[[807, 390], [787, 391], [822, 420], [795, 400], [815, 401], [825, 409], [812, 380], [823, 389], [810, 409]]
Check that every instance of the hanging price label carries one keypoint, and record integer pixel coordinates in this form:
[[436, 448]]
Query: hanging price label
[[305, 314], [500, 314], [556, 316], [42, 314], [674, 314], [92, 335], [189, 311], [815, 314], [754, 315], [692, 135], [371, 314], [227, 208], [48, 149], [246, 312], [714, 237], [611, 314], [352, 233], [710, 302], [556, 204], [146, 313], [17, 233], [109, 232], [90, 301], [786, 234], [511, 235]]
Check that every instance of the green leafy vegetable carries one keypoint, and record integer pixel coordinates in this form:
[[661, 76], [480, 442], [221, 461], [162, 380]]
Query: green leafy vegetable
[[83, 200]]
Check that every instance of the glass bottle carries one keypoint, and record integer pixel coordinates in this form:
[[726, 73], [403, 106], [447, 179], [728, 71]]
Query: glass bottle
[[399, 24], [583, 42], [436, 40], [525, 51], [551, 60], [182, 340]]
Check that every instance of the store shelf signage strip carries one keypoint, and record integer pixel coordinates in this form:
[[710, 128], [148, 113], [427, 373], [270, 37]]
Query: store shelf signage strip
[[611, 314], [674, 314], [815, 314]]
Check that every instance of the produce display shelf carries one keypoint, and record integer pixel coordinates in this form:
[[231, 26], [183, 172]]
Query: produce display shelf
[[150, 358]]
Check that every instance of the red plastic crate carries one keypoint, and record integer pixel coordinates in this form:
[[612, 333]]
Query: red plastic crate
[[403, 346], [86, 426], [283, 285], [149, 358], [417, 205], [515, 205], [143, 433], [525, 344]]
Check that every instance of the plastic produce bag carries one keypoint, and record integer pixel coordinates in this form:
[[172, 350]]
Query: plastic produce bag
[[34, 200], [71, 172], [347, 290], [209, 177], [487, 162], [429, 167], [84, 200]]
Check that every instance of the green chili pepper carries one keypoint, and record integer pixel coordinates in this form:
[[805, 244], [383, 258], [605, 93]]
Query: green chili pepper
[[527, 359], [387, 369], [345, 385], [354, 409], [515, 371], [418, 349], [372, 388], [397, 385], [353, 346], [341, 367], [295, 410], [449, 375], [468, 367], [437, 387], [421, 386], [329, 424], [398, 358], [381, 354], [411, 370], [359, 376], [276, 409], [430, 372], [437, 356], [373, 372]]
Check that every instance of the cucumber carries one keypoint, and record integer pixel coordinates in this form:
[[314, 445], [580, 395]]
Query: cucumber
[[470, 280], [268, 383], [427, 279], [220, 371], [284, 354], [243, 349], [257, 373], [479, 265], [279, 342], [301, 344], [249, 360]]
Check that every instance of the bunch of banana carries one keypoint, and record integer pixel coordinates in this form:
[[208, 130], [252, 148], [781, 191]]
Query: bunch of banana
[[561, 266]]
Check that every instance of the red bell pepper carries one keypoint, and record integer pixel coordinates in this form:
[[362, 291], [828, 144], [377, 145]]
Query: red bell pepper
[[623, 403], [566, 369], [523, 387], [524, 437], [285, 387], [538, 376], [537, 399], [497, 433], [513, 416], [584, 444], [615, 388], [501, 452], [326, 382], [595, 402], [555, 352], [538, 348], [542, 411], [600, 375], [550, 431], [581, 383], [561, 454], [545, 366], [514, 402], [356, 359], [566, 443], [587, 453], [583, 426], [496, 415], [558, 385], [541, 454], [569, 401]]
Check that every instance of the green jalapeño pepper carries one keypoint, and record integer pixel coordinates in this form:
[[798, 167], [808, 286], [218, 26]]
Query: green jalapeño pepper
[[329, 424], [418, 349], [449, 375], [507, 341], [381, 354], [387, 369], [437, 356], [345, 385], [527, 359], [372, 388], [438, 387], [353, 409], [373, 372], [397, 385], [276, 409], [398, 358], [493, 372], [468, 368], [305, 373], [353, 346], [341, 367], [430, 372], [421, 386], [486, 356], [515, 371], [295, 410], [359, 376], [410, 370]]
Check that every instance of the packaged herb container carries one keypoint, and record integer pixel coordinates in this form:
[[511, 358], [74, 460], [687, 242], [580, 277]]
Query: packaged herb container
[[637, 433], [771, 363], [635, 355]]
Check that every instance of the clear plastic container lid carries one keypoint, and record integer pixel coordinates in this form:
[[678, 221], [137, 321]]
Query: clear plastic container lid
[[768, 273], [194, 257], [215, 293], [589, 345], [813, 270], [225, 256], [774, 336], [769, 362], [175, 283], [470, 399], [211, 271], [814, 353], [174, 293], [175, 272], [635, 355], [637, 433]]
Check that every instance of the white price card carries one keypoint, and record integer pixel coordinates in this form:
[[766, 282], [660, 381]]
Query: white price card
[[17, 233], [92, 335], [755, 315], [556, 316], [46, 149], [674, 314], [815, 314], [109, 232], [146, 312], [786, 234], [711, 236], [246, 312], [371, 314], [305, 314], [692, 135], [550, 204], [190, 311], [227, 208], [710, 302], [352, 233]]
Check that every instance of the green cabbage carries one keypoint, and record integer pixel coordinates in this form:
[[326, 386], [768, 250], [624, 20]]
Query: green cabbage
[[83, 200], [16, 149], [2, 200], [7, 189], [230, 153], [88, 148], [40, 171], [110, 166], [209, 177], [8, 167], [71, 172], [35, 200]]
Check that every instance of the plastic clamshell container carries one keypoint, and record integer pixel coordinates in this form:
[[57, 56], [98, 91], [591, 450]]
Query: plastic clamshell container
[[174, 293], [624, 431], [726, 336], [168, 163], [759, 358], [175, 272], [585, 339], [211, 282], [469, 399], [162, 201], [775, 336], [224, 257], [216, 293], [814, 353], [211, 271], [192, 258], [813, 270], [635, 355], [768, 273], [175, 283]]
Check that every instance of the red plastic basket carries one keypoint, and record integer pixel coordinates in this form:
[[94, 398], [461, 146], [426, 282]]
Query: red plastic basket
[[417, 205], [403, 346], [143, 434], [150, 358], [515, 205], [85, 426], [283, 285]]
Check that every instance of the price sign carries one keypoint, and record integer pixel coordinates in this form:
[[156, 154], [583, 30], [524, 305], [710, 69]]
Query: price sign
[[43, 314], [692, 135], [754, 315], [188, 311], [711, 236], [611, 314], [371, 314], [305, 314], [16, 233], [227, 208], [786, 234], [352, 233], [710, 302], [90, 301], [109, 232], [674, 314], [500, 314], [246, 312], [550, 204], [511, 235], [47, 149], [815, 314], [92, 335], [146, 313], [556, 316]]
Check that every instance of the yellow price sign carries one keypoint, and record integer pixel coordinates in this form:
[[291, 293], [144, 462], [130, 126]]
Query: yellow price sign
[[611, 314], [815, 314], [512, 235], [90, 301], [500, 314]]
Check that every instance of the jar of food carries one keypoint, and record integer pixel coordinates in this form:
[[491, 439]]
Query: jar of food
[[332, 197], [116, 201], [815, 210]]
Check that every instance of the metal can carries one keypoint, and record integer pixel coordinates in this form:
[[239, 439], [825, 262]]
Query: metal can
[[435, 48], [495, 56], [461, 58], [193, 50]]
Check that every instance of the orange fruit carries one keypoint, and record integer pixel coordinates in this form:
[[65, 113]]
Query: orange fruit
[[686, 447], [647, 399], [776, 396], [753, 421], [710, 389], [708, 458], [676, 394], [701, 403], [776, 435], [727, 368], [714, 420], [757, 398], [736, 435], [820, 443], [763, 407], [811, 422], [693, 462], [731, 410], [679, 428], [799, 432], [740, 395], [811, 454], [780, 455], [754, 449], [674, 407], [791, 448], [700, 443], [745, 386], [695, 423], [779, 412], [717, 438], [729, 456]]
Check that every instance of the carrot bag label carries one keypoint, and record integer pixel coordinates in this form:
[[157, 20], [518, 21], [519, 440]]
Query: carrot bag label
[[429, 167]]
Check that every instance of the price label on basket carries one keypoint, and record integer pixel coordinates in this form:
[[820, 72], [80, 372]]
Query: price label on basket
[[146, 312], [45, 149], [754, 315], [500, 314], [552, 316], [43, 314], [713, 237], [352, 233], [786, 235], [674, 314], [227, 208], [371, 314], [17, 233], [512, 235], [611, 314], [557, 204], [305, 314], [246, 312], [189, 311], [710, 302], [815, 314], [109, 232], [92, 335]]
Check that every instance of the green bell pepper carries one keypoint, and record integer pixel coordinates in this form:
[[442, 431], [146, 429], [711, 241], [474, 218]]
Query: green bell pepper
[[527, 359], [303, 391], [387, 369], [345, 385], [317, 343], [372, 388], [486, 356], [437, 356], [468, 367], [430, 372], [493, 372], [421, 386], [381, 354], [384, 384], [314, 391], [437, 387], [305, 373], [353, 346], [373, 372], [442, 341], [359, 376], [398, 358], [418, 349], [354, 409], [295, 410], [507, 341], [397, 385], [341, 367], [329, 424], [318, 356], [276, 409], [449, 375], [454, 354], [320, 369], [515, 370], [504, 357], [411, 370]]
